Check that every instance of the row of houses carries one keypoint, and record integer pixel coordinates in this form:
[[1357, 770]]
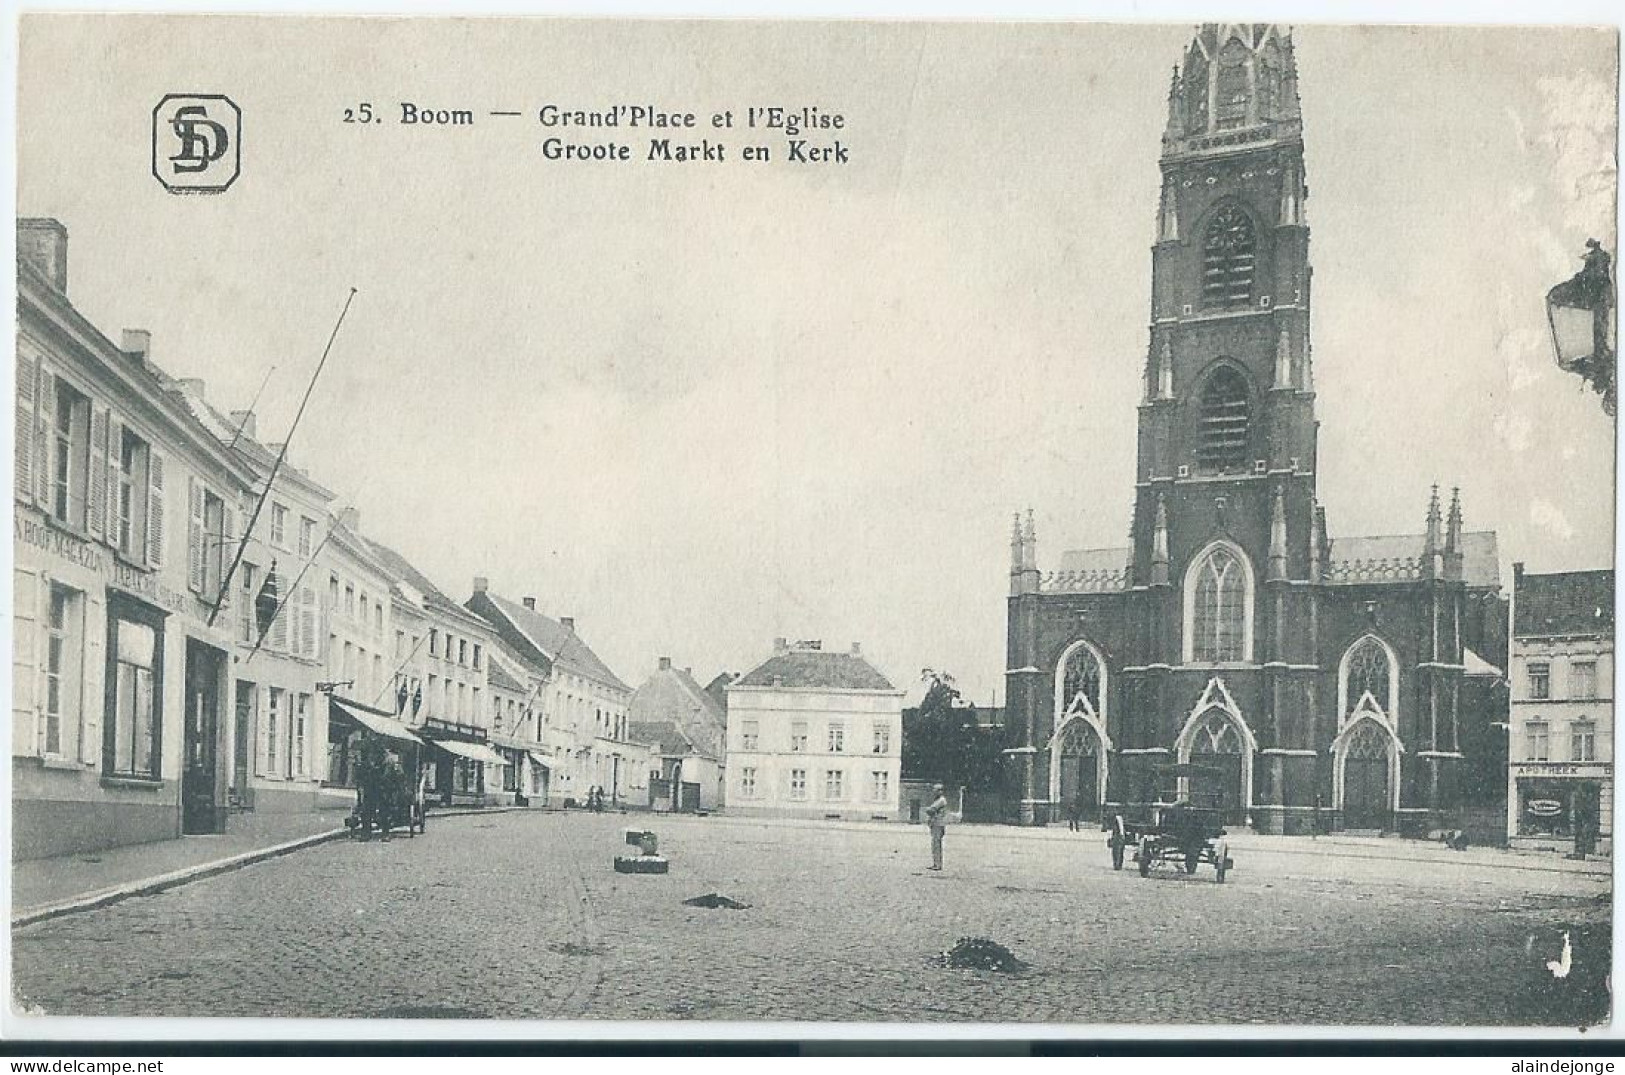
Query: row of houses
[[190, 646], [202, 633]]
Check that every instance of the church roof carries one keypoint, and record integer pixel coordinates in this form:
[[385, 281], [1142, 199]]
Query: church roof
[[1074, 561], [1563, 603], [1398, 557]]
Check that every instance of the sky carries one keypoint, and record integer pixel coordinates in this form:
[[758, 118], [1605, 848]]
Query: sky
[[701, 406]]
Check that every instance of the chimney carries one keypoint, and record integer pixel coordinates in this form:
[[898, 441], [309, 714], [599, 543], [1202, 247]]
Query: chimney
[[43, 244], [243, 420], [781, 645], [688, 670], [350, 519], [569, 623], [665, 664], [193, 385], [137, 343], [529, 602], [481, 584], [857, 648]]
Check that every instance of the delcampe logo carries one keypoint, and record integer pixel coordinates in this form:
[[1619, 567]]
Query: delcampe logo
[[196, 142]]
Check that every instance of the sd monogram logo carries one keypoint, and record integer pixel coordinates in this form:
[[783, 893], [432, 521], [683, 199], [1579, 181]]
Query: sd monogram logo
[[196, 142]]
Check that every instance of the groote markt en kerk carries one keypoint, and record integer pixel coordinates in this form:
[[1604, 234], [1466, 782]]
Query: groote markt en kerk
[[177, 669]]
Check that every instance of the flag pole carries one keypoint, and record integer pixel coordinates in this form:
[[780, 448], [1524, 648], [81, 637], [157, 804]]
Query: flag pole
[[282, 454]]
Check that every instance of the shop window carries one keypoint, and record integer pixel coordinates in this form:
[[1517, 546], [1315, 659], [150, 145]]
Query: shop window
[[1540, 680], [749, 732], [133, 735], [837, 738], [1537, 741], [1583, 680], [510, 772], [1583, 741], [1544, 808], [834, 785], [64, 650]]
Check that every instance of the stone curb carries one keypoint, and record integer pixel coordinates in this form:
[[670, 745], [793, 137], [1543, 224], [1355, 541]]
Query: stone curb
[[153, 885]]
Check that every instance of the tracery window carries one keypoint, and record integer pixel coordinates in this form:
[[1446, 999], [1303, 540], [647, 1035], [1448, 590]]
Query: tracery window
[[1081, 676], [1222, 422], [1219, 615], [1229, 256], [1217, 735], [1230, 98], [1369, 670], [1367, 741]]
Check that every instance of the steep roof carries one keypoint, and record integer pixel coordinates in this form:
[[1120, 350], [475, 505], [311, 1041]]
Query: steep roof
[[814, 669], [1087, 560], [400, 568], [1361, 559], [672, 694], [1563, 603], [499, 676], [558, 643], [664, 735]]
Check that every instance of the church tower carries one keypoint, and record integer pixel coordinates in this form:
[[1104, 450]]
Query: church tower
[[1227, 426]]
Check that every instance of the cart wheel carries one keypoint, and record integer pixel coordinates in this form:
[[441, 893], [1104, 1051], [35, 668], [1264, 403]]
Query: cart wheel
[[1221, 860], [1119, 841], [1143, 856]]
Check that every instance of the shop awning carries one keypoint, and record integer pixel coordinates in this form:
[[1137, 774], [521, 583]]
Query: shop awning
[[372, 720], [540, 759], [472, 751]]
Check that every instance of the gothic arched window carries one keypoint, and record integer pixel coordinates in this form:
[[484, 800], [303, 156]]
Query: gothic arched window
[[1229, 254], [1369, 670], [1081, 676], [1219, 608], [1230, 89], [1222, 421]]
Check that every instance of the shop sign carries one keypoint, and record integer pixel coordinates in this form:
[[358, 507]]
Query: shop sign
[[1559, 768], [71, 548]]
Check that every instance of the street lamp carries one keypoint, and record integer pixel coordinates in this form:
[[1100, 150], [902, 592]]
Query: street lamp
[[1580, 312]]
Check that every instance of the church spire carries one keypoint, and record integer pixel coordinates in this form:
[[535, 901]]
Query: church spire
[[1432, 547], [1452, 541]]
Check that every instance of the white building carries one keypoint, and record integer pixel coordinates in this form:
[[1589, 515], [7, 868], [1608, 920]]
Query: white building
[[1560, 777], [814, 733]]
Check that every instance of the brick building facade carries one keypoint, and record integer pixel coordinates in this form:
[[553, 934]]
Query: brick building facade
[[1313, 676]]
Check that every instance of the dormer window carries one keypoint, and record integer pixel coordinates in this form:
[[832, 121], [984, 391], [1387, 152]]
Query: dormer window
[[1222, 422], [1229, 255]]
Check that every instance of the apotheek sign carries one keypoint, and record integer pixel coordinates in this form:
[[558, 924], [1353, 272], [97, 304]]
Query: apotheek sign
[[1561, 768]]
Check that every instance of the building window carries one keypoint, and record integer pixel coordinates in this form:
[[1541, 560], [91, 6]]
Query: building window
[[882, 739], [1219, 610], [1080, 682], [333, 592], [1583, 740], [749, 731], [747, 782], [301, 727], [247, 619], [70, 455], [349, 601], [1537, 741], [1222, 421], [366, 609], [1230, 96], [64, 645], [477, 655], [1583, 679], [1229, 251], [798, 783], [834, 785], [279, 525], [400, 645], [879, 786], [434, 642], [307, 536], [798, 737], [1369, 672], [273, 729], [1540, 680], [134, 479], [131, 743], [837, 738], [462, 651]]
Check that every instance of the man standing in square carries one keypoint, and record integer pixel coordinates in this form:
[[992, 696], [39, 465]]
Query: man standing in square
[[936, 815]]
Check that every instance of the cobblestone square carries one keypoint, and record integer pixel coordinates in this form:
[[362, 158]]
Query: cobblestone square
[[521, 916]]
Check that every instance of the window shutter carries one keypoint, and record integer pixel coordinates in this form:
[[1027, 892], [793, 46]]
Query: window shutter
[[27, 392], [194, 536], [279, 629], [95, 670], [155, 509], [96, 517], [44, 416], [110, 471], [307, 616], [227, 553], [27, 632]]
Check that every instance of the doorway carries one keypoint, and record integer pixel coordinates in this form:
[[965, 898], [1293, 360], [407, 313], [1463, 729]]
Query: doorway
[[202, 812], [1365, 778], [1078, 782], [242, 773]]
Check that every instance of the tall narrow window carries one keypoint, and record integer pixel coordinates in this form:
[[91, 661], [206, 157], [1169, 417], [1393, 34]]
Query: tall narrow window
[[273, 728], [748, 733], [1583, 679], [1080, 682], [301, 727], [1229, 255], [64, 643], [134, 665], [1368, 673], [1221, 443], [279, 525], [1537, 741], [1230, 96], [132, 495], [70, 455], [1219, 608], [1540, 680], [1583, 740]]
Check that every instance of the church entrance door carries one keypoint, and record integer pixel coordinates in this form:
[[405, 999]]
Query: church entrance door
[[1365, 778], [1080, 771], [1218, 748]]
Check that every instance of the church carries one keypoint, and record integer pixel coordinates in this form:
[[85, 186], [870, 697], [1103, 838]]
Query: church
[[1315, 680]]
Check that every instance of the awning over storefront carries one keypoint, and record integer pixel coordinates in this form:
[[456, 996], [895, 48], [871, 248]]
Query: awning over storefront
[[372, 720], [541, 760], [472, 751]]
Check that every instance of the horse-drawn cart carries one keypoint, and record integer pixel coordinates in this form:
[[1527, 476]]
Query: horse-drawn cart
[[1179, 832]]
